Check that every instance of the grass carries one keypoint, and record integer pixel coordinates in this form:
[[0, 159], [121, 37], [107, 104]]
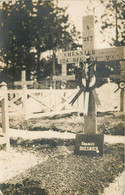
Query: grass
[[107, 124], [66, 173]]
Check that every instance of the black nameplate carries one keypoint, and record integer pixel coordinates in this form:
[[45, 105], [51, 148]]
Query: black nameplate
[[89, 144]]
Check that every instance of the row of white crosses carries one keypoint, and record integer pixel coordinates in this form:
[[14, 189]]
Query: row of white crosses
[[88, 82]]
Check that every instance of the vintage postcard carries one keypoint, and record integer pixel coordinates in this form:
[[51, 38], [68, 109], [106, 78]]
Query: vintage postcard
[[62, 97]]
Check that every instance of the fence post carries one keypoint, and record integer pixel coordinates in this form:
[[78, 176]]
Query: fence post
[[25, 102], [122, 100], [5, 117]]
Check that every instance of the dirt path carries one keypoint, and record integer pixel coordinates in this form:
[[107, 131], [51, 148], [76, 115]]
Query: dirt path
[[117, 187], [30, 135], [58, 171], [13, 163]]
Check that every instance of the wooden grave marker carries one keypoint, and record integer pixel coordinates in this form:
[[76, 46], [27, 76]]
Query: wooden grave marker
[[88, 143], [23, 80], [121, 85], [63, 77]]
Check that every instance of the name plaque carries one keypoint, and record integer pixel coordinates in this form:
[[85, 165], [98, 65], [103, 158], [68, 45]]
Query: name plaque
[[89, 144]]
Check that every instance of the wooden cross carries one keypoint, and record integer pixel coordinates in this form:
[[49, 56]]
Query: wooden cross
[[121, 85], [95, 55], [23, 80], [64, 75]]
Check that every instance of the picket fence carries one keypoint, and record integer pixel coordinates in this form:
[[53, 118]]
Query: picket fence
[[4, 131], [33, 103]]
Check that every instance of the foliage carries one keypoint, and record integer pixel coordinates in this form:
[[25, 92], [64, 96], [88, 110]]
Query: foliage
[[15, 37], [27, 29], [113, 21]]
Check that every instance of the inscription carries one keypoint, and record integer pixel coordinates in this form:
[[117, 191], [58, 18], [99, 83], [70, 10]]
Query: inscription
[[106, 54], [89, 144], [92, 149], [88, 38]]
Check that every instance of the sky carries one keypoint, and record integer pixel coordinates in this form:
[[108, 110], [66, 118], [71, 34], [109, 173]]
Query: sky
[[77, 9]]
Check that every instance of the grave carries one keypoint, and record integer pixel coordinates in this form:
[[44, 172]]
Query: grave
[[89, 143], [121, 85], [23, 80], [63, 77]]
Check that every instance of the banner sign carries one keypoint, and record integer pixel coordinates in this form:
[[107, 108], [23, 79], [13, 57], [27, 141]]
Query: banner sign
[[71, 57], [107, 54]]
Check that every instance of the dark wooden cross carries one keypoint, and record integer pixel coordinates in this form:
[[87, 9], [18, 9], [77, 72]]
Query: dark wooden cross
[[89, 56]]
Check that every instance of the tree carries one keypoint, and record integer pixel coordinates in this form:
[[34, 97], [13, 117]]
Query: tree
[[15, 37], [52, 32], [27, 29], [113, 21], [112, 30]]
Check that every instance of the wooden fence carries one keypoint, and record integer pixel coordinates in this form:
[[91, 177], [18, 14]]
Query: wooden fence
[[4, 132], [33, 103]]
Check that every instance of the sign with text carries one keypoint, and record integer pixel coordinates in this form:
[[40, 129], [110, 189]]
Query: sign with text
[[71, 57], [107, 54], [88, 32], [89, 144]]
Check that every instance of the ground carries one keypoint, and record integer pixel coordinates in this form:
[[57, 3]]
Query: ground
[[49, 166]]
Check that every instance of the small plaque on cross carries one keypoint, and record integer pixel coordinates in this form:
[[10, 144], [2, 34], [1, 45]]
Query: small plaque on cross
[[91, 144]]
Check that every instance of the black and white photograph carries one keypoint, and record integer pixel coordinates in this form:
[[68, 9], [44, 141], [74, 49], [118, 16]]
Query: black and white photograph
[[62, 97]]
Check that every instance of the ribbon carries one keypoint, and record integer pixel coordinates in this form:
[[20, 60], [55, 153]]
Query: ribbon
[[76, 96], [86, 103], [87, 84], [96, 97]]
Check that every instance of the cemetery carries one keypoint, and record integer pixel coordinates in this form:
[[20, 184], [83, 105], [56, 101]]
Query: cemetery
[[74, 138], [52, 166]]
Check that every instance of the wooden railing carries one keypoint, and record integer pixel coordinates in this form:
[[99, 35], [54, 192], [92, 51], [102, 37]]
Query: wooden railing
[[4, 132], [51, 101]]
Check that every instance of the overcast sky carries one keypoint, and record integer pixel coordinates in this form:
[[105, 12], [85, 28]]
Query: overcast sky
[[77, 9]]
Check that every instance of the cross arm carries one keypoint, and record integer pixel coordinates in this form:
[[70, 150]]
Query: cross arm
[[106, 54]]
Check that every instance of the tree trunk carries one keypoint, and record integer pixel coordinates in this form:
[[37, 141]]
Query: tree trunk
[[38, 64]]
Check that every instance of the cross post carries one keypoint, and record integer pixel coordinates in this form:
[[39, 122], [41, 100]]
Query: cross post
[[121, 85], [90, 142], [23, 80]]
